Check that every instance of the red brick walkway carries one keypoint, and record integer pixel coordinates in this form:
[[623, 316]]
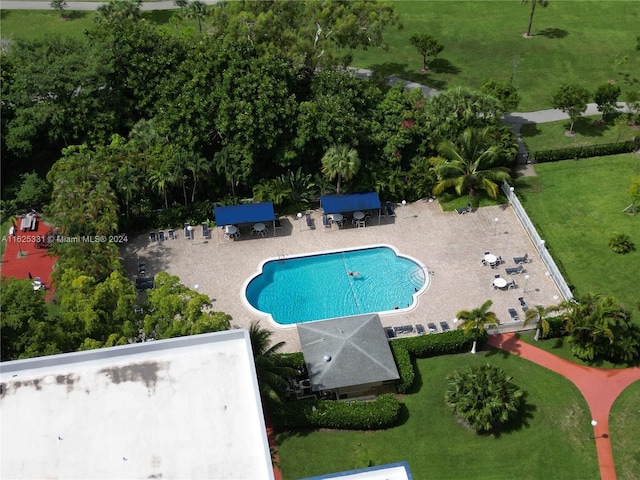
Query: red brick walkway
[[600, 387], [36, 262]]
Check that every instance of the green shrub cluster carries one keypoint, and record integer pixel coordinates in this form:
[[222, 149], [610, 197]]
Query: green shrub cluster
[[557, 328], [424, 346], [621, 243], [586, 151], [352, 415]]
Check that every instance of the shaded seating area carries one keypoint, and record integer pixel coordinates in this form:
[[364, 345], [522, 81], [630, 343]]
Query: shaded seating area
[[335, 206], [254, 214]]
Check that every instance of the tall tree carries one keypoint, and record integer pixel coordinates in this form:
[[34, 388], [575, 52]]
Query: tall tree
[[475, 321], [507, 93], [198, 166], [341, 162], [427, 45], [469, 165], [59, 5], [606, 97], [542, 3], [538, 315], [198, 10], [572, 99], [271, 369]]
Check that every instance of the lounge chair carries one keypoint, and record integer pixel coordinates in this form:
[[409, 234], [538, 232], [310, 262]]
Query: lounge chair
[[172, 234], [152, 236], [277, 222], [325, 222], [513, 314], [206, 233], [514, 270], [465, 209], [161, 236], [407, 328], [420, 329], [310, 223], [432, 327], [389, 209], [445, 326], [398, 330], [519, 260], [390, 332], [188, 233], [523, 304]]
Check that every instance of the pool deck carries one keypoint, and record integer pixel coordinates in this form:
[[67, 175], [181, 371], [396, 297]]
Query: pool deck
[[448, 244]]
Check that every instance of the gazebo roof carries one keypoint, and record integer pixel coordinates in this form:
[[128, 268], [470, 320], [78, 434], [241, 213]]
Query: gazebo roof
[[346, 351]]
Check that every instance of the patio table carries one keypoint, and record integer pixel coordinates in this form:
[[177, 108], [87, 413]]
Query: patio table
[[488, 258], [499, 282]]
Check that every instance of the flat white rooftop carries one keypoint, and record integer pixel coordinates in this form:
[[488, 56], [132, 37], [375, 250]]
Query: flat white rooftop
[[187, 407]]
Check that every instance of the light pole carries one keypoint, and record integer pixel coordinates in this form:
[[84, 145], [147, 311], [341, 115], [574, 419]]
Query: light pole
[[594, 424], [404, 204], [512, 190], [299, 215], [542, 243], [196, 286], [455, 323], [190, 230], [526, 282], [495, 226]]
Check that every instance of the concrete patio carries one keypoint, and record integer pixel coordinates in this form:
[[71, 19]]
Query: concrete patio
[[449, 245]]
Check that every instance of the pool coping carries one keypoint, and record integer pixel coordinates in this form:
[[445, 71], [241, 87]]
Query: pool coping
[[395, 311]]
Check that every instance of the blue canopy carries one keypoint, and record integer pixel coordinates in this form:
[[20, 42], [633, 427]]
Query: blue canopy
[[251, 213], [350, 203]]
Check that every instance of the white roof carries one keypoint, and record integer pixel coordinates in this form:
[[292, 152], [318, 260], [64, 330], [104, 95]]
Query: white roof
[[187, 407]]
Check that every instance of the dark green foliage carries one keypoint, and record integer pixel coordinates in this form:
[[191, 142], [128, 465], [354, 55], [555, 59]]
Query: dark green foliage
[[586, 151], [572, 99], [621, 243], [484, 397], [507, 93], [606, 97], [427, 45], [350, 415], [33, 193], [425, 346]]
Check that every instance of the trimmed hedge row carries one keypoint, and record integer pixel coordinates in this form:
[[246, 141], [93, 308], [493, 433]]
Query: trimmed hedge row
[[355, 415], [424, 346], [586, 151]]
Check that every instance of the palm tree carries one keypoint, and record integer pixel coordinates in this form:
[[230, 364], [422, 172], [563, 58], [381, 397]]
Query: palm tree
[[537, 315], [476, 319], [198, 10], [271, 369], [483, 396], [468, 165], [342, 162], [197, 166], [543, 4], [128, 184]]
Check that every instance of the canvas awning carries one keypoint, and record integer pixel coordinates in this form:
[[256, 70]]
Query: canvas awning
[[350, 203], [250, 213]]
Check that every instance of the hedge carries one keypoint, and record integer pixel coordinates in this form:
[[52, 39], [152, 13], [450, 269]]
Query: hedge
[[586, 151], [424, 346], [347, 415]]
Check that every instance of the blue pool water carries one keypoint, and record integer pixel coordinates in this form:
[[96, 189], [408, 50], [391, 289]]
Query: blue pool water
[[317, 287]]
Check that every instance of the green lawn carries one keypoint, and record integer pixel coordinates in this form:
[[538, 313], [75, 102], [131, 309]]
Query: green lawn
[[576, 205], [549, 136], [553, 443], [574, 41], [624, 425]]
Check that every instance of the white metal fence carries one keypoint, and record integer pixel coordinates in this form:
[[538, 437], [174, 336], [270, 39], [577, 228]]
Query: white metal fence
[[537, 242]]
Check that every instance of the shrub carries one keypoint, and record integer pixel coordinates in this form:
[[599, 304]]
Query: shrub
[[351, 415], [405, 366], [621, 243]]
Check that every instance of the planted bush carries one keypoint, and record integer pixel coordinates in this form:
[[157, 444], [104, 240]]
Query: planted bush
[[586, 151], [621, 243], [352, 415]]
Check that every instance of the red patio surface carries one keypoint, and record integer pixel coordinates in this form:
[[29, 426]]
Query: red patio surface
[[36, 261], [599, 386]]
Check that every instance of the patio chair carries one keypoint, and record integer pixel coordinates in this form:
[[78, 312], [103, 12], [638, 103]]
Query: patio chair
[[310, 223], [523, 259], [445, 326], [172, 234], [206, 233], [152, 236], [512, 284], [389, 209], [432, 327], [325, 222], [420, 329], [523, 304], [277, 222], [513, 314]]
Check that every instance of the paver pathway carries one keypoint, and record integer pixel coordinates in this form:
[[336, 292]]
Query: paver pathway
[[599, 386]]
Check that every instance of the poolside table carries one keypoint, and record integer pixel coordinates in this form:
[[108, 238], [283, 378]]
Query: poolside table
[[259, 228], [231, 231], [489, 258], [499, 282], [358, 215]]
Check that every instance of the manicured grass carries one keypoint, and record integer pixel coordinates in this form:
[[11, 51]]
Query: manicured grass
[[588, 131], [561, 348], [624, 425], [554, 440], [576, 205], [574, 41], [36, 24]]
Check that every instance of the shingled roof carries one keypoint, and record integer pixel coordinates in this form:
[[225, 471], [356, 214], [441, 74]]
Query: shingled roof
[[346, 351]]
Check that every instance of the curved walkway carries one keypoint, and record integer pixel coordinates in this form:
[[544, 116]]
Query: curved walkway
[[600, 388]]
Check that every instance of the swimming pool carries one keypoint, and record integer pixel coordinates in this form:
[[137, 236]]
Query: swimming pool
[[320, 286]]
